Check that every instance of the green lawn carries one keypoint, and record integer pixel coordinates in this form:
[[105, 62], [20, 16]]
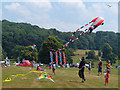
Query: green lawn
[[64, 78]]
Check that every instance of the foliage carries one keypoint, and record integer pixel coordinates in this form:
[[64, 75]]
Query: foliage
[[91, 55], [47, 45], [106, 50], [107, 53], [29, 54], [17, 35]]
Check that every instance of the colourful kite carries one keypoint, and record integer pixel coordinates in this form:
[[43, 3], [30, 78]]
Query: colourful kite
[[33, 47], [94, 24]]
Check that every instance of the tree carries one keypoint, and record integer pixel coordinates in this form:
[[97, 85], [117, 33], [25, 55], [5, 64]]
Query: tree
[[108, 54], [48, 44], [29, 54], [91, 54], [106, 50]]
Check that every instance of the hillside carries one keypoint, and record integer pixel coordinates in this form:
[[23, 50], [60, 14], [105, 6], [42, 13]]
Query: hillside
[[16, 35]]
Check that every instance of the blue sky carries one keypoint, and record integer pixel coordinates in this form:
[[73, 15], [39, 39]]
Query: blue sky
[[64, 16]]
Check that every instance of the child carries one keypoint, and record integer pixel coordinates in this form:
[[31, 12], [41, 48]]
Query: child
[[53, 68], [39, 69], [89, 68], [107, 78]]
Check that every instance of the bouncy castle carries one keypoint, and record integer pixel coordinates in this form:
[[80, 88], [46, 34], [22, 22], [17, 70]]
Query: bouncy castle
[[25, 63]]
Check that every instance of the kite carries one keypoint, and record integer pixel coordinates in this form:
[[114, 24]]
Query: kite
[[46, 76], [109, 6], [33, 47], [94, 24]]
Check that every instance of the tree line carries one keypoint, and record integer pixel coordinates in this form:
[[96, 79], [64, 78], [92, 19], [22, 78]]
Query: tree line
[[17, 36]]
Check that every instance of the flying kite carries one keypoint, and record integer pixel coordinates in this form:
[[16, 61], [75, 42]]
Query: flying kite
[[109, 6], [93, 25], [33, 47]]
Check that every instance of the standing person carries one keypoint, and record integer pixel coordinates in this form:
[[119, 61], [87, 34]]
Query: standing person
[[107, 78], [53, 68], [33, 62], [49, 65], [90, 68], [81, 69], [100, 67], [108, 66]]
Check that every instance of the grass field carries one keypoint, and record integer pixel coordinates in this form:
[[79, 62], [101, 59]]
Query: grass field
[[64, 78]]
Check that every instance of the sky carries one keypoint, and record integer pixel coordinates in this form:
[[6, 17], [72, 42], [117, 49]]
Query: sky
[[64, 16]]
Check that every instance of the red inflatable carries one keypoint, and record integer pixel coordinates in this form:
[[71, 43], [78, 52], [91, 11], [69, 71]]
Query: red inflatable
[[25, 63]]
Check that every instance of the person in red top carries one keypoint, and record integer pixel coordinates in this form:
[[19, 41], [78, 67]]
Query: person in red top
[[100, 67], [108, 66], [39, 69], [107, 78]]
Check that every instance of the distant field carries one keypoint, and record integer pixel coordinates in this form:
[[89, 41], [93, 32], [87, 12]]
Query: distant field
[[79, 53]]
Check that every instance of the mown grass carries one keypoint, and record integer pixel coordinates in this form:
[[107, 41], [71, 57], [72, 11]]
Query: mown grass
[[64, 78]]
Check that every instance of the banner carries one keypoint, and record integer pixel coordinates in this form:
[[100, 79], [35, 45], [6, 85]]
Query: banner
[[56, 57], [64, 58], [60, 56], [51, 57]]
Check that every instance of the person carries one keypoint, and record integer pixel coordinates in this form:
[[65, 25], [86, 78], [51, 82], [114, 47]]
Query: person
[[100, 67], [33, 62], [39, 69], [107, 78], [49, 65], [89, 68], [53, 68], [81, 69], [108, 66]]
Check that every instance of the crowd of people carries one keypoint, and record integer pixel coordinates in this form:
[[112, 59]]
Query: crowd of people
[[100, 64]]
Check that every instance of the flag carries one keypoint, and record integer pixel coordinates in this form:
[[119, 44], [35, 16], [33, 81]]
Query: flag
[[64, 58], [60, 56]]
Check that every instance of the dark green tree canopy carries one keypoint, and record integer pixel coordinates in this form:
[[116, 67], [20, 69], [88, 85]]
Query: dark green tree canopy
[[16, 35], [47, 45], [107, 50], [91, 55]]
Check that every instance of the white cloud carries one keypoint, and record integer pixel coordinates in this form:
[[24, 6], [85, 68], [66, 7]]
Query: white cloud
[[38, 13], [39, 6], [13, 6], [17, 8]]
